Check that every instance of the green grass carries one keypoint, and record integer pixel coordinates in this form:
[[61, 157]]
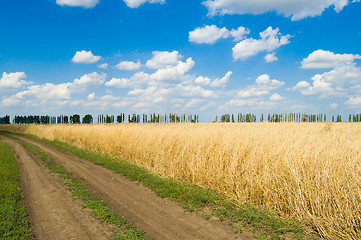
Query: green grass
[[13, 220], [242, 217], [123, 229]]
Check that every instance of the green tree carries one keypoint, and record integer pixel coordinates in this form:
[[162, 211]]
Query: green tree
[[75, 119], [88, 119]]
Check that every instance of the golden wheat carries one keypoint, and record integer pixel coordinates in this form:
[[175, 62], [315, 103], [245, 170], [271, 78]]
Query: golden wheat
[[310, 172]]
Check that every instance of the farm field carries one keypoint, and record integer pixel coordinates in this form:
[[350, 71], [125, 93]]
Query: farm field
[[309, 172]]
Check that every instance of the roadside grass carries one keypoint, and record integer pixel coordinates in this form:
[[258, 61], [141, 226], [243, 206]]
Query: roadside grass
[[123, 229], [13, 220], [241, 217]]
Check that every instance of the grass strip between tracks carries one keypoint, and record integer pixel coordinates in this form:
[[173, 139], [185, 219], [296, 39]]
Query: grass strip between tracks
[[13, 220], [123, 229], [242, 217]]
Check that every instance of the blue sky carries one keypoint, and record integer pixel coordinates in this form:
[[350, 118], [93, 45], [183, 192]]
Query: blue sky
[[207, 57]]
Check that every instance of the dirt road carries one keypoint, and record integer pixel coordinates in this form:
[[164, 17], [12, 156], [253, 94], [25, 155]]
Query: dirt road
[[53, 213], [159, 218]]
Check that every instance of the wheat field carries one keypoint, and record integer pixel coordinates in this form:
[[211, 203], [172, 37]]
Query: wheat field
[[310, 172]]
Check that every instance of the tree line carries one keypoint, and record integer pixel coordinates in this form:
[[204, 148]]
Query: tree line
[[145, 118], [175, 118], [5, 120], [291, 117], [88, 118]]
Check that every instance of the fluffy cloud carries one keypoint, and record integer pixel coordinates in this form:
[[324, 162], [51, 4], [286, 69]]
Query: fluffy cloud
[[163, 59], [270, 58], [119, 83], [103, 66], [218, 82], [11, 81], [128, 66], [221, 82], [301, 85], [163, 76], [202, 80], [192, 91], [289, 8], [341, 81], [173, 73], [89, 80], [105, 102], [85, 57], [78, 3], [333, 105], [254, 96], [276, 97], [168, 76], [137, 3], [264, 84], [176, 95], [240, 33], [326, 59], [50, 91], [137, 80], [354, 101], [53, 92], [40, 93], [210, 34], [170, 84], [193, 102], [270, 40], [91, 96]]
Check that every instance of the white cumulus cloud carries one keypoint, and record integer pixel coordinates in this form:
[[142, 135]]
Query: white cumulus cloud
[[103, 66], [342, 81], [46, 94], [85, 57], [276, 97], [208, 34], [334, 105], [89, 80], [221, 82], [264, 84], [13, 80], [137, 80], [211, 34], [40, 94], [128, 66], [300, 85], [270, 40], [240, 33], [163, 59], [271, 57], [326, 59], [137, 3], [169, 81], [354, 101], [91, 96], [173, 73], [289, 8], [78, 3], [202, 80]]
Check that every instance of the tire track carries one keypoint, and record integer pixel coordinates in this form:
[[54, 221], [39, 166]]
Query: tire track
[[53, 213]]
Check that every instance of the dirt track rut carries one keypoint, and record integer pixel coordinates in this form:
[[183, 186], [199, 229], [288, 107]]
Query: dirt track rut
[[159, 218], [53, 213]]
